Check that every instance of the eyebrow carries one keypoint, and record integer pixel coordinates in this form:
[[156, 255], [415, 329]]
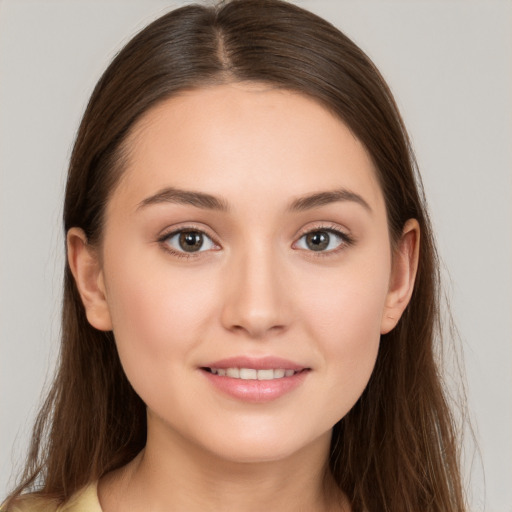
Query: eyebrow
[[323, 198], [210, 202], [179, 196]]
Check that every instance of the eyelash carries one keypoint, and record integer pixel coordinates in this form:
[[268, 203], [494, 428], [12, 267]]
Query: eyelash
[[346, 241], [182, 254]]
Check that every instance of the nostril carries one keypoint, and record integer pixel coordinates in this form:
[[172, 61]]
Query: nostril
[[257, 330]]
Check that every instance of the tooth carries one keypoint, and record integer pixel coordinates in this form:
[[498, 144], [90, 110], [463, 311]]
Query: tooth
[[233, 372], [265, 374], [253, 374], [248, 373]]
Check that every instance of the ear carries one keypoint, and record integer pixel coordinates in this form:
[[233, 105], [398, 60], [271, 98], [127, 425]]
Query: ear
[[403, 275], [86, 269]]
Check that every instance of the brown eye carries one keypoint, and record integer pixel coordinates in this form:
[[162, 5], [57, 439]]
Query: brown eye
[[318, 240], [323, 240], [191, 241]]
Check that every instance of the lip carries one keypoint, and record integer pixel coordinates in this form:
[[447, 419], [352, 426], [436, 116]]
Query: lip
[[255, 391], [258, 363]]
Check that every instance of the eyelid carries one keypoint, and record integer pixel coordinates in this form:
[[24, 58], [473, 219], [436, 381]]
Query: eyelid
[[346, 237], [169, 232]]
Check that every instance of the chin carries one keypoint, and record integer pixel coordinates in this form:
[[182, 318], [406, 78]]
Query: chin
[[264, 447]]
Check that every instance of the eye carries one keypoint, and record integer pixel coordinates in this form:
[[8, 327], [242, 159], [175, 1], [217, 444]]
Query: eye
[[322, 240], [189, 240]]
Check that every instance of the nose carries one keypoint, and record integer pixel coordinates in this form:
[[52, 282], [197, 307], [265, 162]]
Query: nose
[[255, 300]]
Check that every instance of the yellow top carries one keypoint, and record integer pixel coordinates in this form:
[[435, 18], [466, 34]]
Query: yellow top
[[85, 500]]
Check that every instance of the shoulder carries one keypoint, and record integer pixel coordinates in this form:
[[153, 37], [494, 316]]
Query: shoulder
[[31, 503], [84, 500]]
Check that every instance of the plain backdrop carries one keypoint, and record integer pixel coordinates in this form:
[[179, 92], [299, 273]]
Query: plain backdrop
[[449, 64]]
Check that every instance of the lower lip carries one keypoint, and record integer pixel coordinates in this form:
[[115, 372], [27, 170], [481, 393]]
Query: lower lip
[[256, 391]]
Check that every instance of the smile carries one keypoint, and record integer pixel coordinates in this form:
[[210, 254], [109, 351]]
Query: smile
[[252, 373], [255, 379]]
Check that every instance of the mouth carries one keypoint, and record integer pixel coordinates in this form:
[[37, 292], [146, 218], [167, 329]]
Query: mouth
[[253, 373], [255, 379]]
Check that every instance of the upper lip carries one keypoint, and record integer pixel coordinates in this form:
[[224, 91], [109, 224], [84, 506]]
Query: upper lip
[[257, 363]]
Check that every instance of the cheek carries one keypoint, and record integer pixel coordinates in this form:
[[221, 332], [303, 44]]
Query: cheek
[[344, 315], [157, 317], [346, 305]]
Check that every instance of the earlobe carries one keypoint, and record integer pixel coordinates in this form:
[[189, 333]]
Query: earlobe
[[403, 275], [86, 269]]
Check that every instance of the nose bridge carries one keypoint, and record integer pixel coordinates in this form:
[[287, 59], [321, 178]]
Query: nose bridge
[[255, 300]]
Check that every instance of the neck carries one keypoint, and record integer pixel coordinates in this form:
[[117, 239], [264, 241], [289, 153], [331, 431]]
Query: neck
[[174, 475]]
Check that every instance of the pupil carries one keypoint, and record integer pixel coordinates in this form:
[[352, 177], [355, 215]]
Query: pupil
[[318, 240], [191, 241]]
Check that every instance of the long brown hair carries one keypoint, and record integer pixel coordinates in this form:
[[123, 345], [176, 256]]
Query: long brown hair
[[396, 450]]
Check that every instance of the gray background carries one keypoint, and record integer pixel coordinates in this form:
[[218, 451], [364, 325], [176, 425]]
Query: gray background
[[449, 64]]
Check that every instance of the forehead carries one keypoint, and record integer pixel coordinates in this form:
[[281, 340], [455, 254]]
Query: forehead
[[238, 137]]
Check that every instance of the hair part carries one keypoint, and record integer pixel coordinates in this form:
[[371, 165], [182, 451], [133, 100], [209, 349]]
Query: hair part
[[396, 450]]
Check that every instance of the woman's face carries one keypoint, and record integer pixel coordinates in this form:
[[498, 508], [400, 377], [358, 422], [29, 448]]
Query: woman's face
[[246, 270]]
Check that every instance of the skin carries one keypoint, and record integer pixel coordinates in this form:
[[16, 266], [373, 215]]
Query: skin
[[257, 289]]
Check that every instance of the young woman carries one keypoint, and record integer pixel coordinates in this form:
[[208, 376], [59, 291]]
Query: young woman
[[251, 295]]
